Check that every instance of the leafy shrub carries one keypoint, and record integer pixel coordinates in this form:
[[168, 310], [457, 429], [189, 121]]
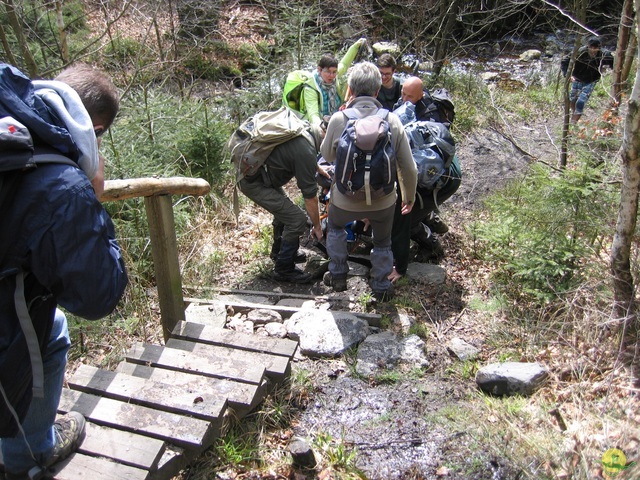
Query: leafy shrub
[[544, 232], [124, 52], [204, 150], [158, 134]]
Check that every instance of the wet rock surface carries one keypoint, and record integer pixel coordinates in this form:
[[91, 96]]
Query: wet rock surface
[[386, 423]]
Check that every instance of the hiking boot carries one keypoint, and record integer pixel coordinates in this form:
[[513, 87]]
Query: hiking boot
[[339, 284], [291, 275], [429, 246], [300, 256], [430, 251], [383, 295], [284, 268], [435, 223], [69, 431]]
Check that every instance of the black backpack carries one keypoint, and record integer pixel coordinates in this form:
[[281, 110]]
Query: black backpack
[[440, 107], [365, 166]]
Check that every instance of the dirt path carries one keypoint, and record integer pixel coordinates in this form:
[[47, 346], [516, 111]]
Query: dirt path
[[399, 426]]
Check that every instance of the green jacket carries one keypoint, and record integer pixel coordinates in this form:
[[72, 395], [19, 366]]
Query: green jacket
[[313, 98]]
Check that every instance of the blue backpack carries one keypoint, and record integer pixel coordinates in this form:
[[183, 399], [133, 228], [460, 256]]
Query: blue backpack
[[365, 158], [433, 149]]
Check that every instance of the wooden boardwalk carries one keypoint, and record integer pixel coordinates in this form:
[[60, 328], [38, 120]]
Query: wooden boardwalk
[[164, 405]]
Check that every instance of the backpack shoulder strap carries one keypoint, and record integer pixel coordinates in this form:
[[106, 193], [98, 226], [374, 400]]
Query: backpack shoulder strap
[[30, 336], [52, 157], [351, 114], [382, 113]]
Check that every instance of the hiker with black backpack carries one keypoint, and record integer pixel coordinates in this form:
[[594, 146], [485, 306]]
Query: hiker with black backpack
[[424, 223], [371, 154], [319, 94], [57, 247]]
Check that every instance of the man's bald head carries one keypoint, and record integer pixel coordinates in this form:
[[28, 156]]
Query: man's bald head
[[412, 90]]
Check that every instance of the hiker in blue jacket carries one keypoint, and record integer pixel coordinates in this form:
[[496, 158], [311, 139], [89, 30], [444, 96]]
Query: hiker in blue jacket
[[55, 230]]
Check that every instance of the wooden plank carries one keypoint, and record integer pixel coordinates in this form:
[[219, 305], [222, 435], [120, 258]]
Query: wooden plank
[[231, 338], [242, 397], [202, 403], [81, 467], [212, 314], [125, 447], [373, 319], [233, 367], [185, 432], [225, 291], [276, 367]]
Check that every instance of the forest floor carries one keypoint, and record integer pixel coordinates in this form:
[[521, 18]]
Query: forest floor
[[433, 422]]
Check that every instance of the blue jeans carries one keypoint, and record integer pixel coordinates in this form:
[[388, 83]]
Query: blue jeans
[[381, 256], [580, 93], [38, 424]]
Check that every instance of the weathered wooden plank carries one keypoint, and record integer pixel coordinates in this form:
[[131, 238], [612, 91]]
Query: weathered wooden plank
[[231, 338], [242, 397], [373, 319], [276, 367], [224, 291], [233, 367], [186, 432], [125, 447], [202, 403], [212, 314], [81, 467]]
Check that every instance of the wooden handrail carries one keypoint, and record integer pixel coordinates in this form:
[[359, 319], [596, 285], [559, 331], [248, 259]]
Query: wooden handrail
[[164, 249], [147, 187]]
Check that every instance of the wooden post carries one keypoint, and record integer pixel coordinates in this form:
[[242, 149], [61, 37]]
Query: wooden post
[[164, 249]]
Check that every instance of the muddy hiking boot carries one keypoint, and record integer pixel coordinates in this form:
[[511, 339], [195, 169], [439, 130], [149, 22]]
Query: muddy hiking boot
[[435, 223], [383, 295], [430, 249], [285, 269], [338, 283], [69, 431]]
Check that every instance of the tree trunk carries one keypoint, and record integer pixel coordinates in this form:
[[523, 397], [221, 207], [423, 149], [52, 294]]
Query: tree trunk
[[7, 48], [625, 307], [62, 33], [446, 21], [16, 25], [622, 51]]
